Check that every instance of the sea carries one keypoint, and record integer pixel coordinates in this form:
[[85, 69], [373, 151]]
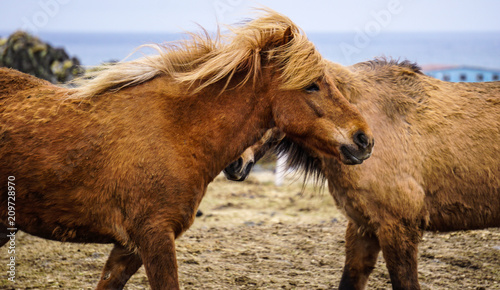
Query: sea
[[479, 49]]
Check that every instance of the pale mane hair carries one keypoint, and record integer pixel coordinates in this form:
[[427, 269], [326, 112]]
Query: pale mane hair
[[272, 39]]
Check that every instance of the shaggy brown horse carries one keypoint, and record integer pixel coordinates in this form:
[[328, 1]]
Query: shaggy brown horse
[[436, 165], [126, 158]]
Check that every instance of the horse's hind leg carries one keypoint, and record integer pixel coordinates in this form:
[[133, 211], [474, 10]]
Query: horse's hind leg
[[121, 265], [361, 255], [399, 245]]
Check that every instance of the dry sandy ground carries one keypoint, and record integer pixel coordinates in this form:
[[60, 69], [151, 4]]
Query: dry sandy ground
[[254, 235]]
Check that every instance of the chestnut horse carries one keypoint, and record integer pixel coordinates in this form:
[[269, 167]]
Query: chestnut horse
[[436, 166], [126, 158]]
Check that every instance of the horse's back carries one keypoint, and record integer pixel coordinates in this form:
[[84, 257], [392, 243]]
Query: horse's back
[[13, 81], [31, 122], [437, 157]]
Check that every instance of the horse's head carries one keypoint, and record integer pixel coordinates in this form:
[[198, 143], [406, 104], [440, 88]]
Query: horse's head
[[310, 110], [321, 119], [270, 59]]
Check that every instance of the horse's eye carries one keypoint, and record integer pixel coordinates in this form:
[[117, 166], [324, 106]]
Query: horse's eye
[[312, 88]]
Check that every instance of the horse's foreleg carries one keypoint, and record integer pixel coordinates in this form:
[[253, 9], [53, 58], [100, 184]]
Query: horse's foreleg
[[361, 255], [399, 245], [121, 265], [158, 255]]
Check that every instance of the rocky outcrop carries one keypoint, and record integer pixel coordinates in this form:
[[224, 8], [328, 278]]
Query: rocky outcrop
[[29, 54]]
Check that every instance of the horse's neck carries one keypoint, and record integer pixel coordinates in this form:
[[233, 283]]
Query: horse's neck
[[362, 85], [347, 81], [217, 127]]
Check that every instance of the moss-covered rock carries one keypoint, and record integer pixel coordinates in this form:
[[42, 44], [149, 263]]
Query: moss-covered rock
[[29, 54]]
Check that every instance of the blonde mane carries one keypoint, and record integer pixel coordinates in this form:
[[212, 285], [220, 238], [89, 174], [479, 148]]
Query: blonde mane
[[272, 39]]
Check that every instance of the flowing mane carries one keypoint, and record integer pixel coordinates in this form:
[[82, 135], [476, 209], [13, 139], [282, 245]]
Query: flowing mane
[[383, 62], [270, 39]]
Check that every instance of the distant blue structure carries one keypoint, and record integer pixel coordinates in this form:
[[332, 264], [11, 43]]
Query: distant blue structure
[[462, 73]]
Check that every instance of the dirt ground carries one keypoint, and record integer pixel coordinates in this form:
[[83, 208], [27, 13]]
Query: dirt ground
[[254, 235]]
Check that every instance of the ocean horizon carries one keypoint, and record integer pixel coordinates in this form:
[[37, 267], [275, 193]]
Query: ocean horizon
[[480, 49]]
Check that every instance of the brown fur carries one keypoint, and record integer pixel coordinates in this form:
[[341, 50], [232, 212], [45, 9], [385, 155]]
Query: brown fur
[[130, 166], [435, 167]]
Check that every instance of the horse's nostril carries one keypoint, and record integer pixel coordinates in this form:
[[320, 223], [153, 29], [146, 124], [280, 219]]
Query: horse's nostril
[[361, 140], [239, 163], [248, 168], [236, 165]]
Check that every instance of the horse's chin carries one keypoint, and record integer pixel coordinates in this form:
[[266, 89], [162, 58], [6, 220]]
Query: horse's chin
[[351, 161]]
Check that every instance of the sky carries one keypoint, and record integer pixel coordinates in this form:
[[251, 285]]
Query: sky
[[39, 16]]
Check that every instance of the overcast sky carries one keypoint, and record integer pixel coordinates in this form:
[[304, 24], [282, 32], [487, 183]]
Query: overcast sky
[[311, 15]]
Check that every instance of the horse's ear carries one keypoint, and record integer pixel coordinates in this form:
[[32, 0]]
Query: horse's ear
[[287, 36]]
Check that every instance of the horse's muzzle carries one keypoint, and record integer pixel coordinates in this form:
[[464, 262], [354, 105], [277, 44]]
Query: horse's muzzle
[[359, 151], [238, 171]]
